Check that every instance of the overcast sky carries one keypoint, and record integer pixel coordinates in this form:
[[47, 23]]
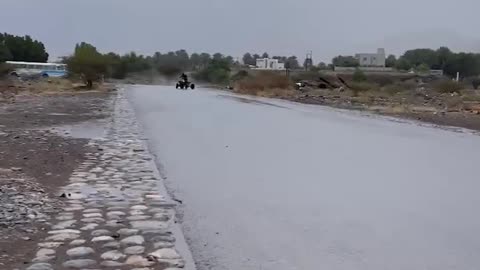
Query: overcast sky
[[280, 27]]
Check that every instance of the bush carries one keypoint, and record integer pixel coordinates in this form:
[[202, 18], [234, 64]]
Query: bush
[[398, 87], [358, 87], [306, 75], [217, 71], [448, 86], [239, 75], [88, 63], [475, 83], [5, 69], [263, 81], [381, 79], [359, 76]]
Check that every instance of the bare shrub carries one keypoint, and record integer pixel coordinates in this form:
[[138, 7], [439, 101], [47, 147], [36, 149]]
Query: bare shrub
[[448, 86], [358, 87], [475, 83], [263, 82], [398, 87]]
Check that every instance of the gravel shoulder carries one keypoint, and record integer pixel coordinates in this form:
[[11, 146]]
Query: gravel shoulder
[[35, 160]]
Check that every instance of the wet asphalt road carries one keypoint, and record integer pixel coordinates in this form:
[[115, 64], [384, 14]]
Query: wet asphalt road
[[273, 185]]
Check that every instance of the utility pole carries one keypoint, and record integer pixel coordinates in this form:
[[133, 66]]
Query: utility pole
[[309, 60]]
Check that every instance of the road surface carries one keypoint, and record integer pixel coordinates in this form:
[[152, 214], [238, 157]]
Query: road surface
[[275, 185]]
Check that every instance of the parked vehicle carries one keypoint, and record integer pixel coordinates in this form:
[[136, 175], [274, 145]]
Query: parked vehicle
[[45, 70]]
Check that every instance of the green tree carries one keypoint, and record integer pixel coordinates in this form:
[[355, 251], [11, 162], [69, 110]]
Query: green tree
[[88, 63], [403, 64], [292, 63], [423, 68], [217, 56], [444, 55], [322, 66], [345, 61], [265, 55], [24, 48], [205, 59], [5, 54], [217, 71], [417, 57], [248, 59], [359, 76], [391, 61], [195, 61]]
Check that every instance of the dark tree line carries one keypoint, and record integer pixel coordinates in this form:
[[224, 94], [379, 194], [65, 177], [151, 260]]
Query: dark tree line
[[21, 48], [169, 64], [467, 64], [92, 65]]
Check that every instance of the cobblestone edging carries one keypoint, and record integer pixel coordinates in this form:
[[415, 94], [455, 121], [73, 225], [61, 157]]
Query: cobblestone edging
[[116, 215]]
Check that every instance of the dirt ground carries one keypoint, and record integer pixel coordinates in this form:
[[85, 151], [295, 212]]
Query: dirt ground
[[442, 110], [35, 160]]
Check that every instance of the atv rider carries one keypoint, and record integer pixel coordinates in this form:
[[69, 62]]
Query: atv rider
[[184, 77]]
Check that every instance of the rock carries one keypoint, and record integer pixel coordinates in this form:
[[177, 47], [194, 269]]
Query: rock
[[163, 238], [134, 250], [148, 225], [139, 217], [166, 254], [113, 255], [102, 239], [102, 232], [40, 266], [43, 259], [137, 260], [64, 224], [45, 252], [64, 231], [92, 210], [113, 245], [79, 264], [89, 226], [133, 240], [112, 264], [80, 251], [50, 244], [115, 214], [139, 207], [93, 220], [77, 242], [63, 237], [92, 215], [127, 232], [158, 245]]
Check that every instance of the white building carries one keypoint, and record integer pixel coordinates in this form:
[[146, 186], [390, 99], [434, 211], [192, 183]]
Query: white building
[[270, 64], [372, 59]]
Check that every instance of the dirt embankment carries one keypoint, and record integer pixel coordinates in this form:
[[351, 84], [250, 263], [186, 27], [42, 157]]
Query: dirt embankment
[[35, 160], [424, 99]]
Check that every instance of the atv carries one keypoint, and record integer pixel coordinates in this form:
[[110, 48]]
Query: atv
[[184, 84]]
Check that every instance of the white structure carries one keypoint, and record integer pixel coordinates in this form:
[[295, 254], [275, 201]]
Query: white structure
[[270, 64], [372, 59]]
